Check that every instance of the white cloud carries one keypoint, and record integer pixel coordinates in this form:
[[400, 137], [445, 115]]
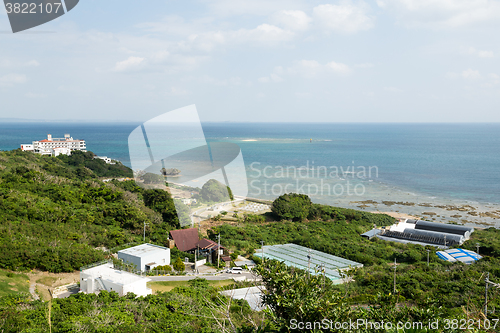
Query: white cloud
[[338, 67], [263, 33], [480, 53], [295, 20], [470, 74], [442, 13], [307, 69], [12, 79], [132, 63], [250, 7], [346, 17], [271, 78]]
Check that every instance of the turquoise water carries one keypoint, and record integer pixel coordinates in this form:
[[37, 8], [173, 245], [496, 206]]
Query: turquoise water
[[452, 161]]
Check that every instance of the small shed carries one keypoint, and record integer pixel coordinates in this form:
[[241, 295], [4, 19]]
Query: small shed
[[372, 233]]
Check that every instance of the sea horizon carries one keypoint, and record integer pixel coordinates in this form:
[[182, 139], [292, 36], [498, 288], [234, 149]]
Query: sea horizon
[[442, 164]]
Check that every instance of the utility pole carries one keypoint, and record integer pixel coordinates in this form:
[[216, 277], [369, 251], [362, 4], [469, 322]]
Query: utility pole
[[428, 257], [445, 240], [218, 254], [262, 247], [477, 247], [487, 280], [395, 276], [144, 237]]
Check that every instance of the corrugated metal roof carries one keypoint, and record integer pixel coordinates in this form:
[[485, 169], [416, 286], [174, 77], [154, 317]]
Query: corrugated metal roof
[[465, 256], [297, 256], [371, 233], [185, 239]]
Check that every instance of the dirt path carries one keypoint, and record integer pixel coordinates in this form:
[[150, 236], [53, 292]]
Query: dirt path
[[40, 282]]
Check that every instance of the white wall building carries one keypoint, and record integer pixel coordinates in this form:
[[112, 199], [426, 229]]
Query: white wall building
[[146, 256], [105, 159], [47, 146], [105, 277]]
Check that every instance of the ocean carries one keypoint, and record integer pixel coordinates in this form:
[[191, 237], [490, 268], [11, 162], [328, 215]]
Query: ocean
[[427, 165]]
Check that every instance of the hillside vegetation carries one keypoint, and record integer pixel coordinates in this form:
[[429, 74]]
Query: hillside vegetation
[[56, 215]]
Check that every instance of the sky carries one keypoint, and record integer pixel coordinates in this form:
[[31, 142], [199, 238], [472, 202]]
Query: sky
[[257, 61]]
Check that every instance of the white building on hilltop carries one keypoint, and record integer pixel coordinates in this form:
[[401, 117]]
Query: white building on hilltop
[[145, 256], [105, 277], [55, 146]]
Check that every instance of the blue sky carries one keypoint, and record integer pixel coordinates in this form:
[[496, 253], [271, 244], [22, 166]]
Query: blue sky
[[256, 60]]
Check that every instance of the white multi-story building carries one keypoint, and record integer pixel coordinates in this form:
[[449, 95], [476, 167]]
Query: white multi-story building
[[55, 146]]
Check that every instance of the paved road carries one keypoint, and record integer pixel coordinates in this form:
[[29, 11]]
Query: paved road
[[224, 276]]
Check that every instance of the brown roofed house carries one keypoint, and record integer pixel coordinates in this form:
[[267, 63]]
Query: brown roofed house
[[185, 239]]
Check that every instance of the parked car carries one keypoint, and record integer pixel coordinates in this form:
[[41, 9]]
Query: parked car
[[235, 270]]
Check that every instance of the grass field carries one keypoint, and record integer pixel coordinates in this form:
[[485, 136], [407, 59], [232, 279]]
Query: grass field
[[161, 286], [13, 283]]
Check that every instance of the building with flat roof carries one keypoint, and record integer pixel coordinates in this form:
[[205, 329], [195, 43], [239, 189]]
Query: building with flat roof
[[105, 277], [145, 256], [55, 146], [297, 256]]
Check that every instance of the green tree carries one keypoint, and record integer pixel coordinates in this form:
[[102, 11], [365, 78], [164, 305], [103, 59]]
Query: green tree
[[292, 206], [161, 201], [179, 265], [214, 191], [151, 178]]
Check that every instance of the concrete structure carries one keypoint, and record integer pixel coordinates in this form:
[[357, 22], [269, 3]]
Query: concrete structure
[[49, 145], [105, 277], [453, 255], [253, 295], [146, 256]]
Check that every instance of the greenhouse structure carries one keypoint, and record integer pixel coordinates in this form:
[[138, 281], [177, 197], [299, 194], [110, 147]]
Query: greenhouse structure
[[316, 262]]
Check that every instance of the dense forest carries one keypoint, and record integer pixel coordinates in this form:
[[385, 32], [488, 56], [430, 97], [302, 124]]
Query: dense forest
[[56, 215]]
